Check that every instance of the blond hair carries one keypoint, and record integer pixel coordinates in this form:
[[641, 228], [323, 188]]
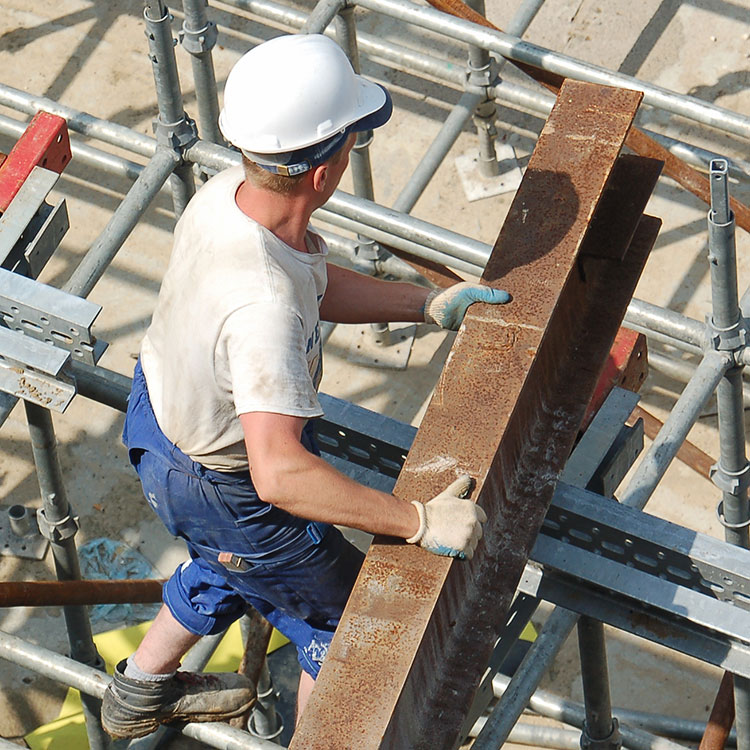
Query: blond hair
[[278, 183], [262, 178]]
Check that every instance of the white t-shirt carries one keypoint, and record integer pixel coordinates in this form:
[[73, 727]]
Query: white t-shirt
[[236, 328]]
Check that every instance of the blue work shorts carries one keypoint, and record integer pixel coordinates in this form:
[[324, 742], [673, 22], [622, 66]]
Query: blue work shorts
[[296, 573]]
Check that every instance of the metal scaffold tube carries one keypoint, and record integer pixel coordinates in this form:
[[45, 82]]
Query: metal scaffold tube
[[437, 152], [599, 729], [517, 692], [198, 37], [555, 62], [455, 121], [367, 250], [570, 712], [80, 122], [480, 74], [537, 735], [672, 435], [82, 152], [323, 13], [122, 223], [728, 333], [672, 324], [174, 128], [93, 682], [57, 522]]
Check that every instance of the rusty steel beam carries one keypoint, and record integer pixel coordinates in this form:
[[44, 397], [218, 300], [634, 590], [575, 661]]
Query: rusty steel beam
[[86, 592], [722, 716], [418, 630]]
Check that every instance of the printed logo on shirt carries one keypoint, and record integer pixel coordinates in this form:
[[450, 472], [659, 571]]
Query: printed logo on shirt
[[314, 356]]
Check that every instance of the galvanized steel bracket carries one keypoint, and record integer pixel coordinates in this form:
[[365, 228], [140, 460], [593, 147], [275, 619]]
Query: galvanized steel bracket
[[50, 315], [26, 541], [479, 79], [33, 370], [732, 482], [612, 742], [177, 136], [57, 531], [730, 339], [198, 42]]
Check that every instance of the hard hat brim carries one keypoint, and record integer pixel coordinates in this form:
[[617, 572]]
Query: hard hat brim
[[377, 117]]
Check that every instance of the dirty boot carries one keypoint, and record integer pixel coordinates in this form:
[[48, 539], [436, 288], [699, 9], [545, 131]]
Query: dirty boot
[[134, 708]]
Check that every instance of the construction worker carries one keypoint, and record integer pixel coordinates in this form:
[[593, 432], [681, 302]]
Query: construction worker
[[218, 420]]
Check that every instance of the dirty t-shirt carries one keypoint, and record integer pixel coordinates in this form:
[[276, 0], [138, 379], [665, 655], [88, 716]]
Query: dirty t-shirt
[[236, 328]]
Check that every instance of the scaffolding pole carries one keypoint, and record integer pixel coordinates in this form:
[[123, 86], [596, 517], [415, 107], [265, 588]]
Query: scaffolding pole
[[198, 38], [174, 129], [516, 49], [58, 523], [727, 333]]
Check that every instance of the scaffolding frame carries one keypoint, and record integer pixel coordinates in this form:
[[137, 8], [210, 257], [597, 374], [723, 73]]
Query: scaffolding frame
[[721, 341]]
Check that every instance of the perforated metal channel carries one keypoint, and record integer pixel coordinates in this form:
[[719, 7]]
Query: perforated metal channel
[[644, 555]]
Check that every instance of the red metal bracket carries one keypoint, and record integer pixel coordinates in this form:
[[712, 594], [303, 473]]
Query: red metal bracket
[[626, 367], [44, 143]]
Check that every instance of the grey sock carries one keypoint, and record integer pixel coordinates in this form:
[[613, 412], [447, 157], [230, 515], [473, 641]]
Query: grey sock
[[133, 671]]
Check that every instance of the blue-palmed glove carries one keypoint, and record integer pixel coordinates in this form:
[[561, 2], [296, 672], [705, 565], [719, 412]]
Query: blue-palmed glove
[[447, 307], [448, 524]]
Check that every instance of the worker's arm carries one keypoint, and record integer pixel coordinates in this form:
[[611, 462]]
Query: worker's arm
[[288, 476], [353, 297]]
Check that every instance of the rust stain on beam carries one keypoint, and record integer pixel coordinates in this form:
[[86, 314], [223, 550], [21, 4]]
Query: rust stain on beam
[[418, 629]]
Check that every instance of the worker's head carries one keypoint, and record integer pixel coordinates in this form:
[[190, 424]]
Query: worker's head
[[293, 103]]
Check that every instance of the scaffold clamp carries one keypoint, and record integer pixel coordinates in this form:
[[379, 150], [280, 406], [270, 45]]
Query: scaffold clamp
[[731, 482], [726, 339], [176, 135], [726, 524], [198, 42], [612, 742], [57, 531]]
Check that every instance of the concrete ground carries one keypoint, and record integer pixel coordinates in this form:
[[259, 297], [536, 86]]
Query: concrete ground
[[93, 57]]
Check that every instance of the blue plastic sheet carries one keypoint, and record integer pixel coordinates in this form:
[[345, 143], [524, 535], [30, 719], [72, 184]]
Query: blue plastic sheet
[[111, 560]]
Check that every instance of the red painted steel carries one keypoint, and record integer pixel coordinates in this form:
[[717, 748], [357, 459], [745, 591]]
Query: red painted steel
[[626, 367], [418, 629], [44, 143]]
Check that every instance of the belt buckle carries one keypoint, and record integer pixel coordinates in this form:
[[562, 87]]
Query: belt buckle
[[233, 562]]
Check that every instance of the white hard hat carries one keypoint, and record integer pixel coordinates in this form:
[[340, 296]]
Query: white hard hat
[[296, 91]]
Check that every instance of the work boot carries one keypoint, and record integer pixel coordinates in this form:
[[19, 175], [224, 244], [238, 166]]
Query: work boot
[[134, 708]]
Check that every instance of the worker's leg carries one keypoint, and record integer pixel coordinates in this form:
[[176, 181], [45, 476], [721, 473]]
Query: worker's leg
[[164, 645], [306, 685], [146, 690]]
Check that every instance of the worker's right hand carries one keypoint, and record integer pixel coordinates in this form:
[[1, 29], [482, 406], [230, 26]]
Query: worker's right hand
[[449, 524]]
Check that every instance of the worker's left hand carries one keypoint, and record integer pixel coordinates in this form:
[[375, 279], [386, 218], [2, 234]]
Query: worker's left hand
[[447, 307]]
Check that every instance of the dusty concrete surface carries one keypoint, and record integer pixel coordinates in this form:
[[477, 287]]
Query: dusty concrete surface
[[93, 57]]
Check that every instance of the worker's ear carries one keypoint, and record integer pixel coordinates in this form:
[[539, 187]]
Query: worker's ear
[[320, 177]]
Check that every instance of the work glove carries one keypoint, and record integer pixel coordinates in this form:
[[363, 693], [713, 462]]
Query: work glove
[[448, 524], [447, 307]]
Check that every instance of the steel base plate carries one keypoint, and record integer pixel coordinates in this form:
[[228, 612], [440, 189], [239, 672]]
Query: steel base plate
[[32, 546], [476, 186], [390, 350]]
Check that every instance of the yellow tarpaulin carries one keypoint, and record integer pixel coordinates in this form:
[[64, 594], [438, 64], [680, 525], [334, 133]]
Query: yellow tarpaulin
[[68, 731]]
